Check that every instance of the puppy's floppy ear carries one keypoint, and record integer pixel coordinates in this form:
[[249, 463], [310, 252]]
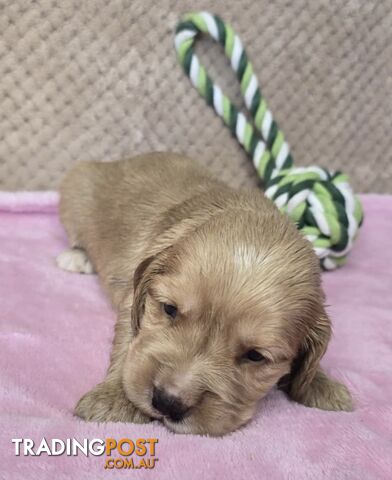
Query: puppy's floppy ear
[[144, 274], [141, 279], [307, 383]]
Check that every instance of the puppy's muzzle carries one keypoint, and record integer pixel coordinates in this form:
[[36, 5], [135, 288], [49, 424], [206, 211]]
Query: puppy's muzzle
[[169, 405]]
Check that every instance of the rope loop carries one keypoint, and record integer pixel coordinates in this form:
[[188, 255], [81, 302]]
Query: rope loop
[[320, 202]]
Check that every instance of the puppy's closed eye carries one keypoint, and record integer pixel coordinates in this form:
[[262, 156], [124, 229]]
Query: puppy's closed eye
[[254, 356], [170, 310]]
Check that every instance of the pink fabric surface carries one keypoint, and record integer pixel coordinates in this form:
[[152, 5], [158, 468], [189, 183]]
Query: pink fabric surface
[[55, 335]]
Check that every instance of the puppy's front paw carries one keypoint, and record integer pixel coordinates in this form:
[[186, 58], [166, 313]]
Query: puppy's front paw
[[107, 402], [327, 394]]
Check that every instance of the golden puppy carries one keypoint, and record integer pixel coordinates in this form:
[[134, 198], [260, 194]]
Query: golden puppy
[[218, 295]]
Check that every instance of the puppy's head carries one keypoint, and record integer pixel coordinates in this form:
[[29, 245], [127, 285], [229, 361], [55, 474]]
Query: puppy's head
[[220, 317]]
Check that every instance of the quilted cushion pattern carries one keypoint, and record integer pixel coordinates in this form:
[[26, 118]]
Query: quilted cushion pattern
[[99, 80]]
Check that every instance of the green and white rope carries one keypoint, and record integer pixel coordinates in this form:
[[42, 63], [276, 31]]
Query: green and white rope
[[320, 202]]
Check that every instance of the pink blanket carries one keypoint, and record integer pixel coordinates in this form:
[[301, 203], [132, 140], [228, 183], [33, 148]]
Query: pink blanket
[[56, 329]]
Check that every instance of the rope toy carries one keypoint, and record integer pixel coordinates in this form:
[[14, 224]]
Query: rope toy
[[320, 202]]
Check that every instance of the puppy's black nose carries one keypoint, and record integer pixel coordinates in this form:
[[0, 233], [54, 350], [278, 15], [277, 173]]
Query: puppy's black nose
[[168, 405]]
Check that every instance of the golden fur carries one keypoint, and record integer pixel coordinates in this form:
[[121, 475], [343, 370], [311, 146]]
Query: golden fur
[[158, 230]]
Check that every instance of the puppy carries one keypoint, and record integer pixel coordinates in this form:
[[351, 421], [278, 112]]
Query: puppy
[[217, 293]]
